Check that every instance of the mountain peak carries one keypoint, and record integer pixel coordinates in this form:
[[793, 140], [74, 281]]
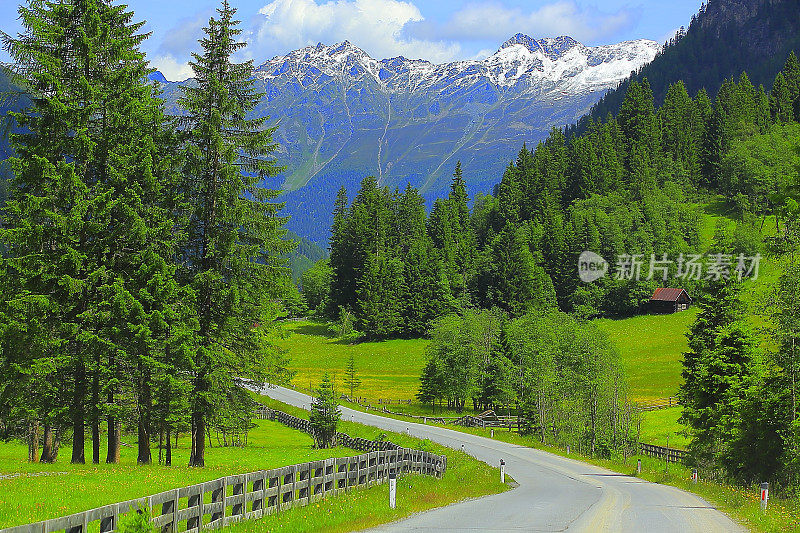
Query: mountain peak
[[157, 76], [552, 47]]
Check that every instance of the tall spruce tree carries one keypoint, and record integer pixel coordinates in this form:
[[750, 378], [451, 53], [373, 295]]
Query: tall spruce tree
[[87, 189], [343, 275], [234, 234]]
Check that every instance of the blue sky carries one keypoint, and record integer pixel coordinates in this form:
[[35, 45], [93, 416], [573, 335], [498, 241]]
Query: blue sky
[[437, 30]]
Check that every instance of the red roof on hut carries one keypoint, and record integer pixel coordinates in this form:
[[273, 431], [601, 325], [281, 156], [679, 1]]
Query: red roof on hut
[[669, 295]]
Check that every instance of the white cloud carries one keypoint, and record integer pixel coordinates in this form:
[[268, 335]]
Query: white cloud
[[374, 25], [183, 36], [171, 68], [483, 54], [494, 21]]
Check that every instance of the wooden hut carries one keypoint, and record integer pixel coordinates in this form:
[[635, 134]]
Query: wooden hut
[[665, 301]]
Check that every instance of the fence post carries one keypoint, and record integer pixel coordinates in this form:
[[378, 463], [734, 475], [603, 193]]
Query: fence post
[[170, 506], [638, 466], [392, 489], [492, 433], [694, 475], [764, 496], [196, 500]]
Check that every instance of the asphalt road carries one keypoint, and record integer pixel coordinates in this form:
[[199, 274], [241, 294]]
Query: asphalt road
[[554, 493]]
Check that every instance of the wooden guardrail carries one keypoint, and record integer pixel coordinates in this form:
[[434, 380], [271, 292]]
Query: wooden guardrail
[[670, 455], [255, 494]]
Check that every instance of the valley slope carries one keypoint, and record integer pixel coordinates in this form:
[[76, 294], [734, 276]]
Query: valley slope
[[343, 115]]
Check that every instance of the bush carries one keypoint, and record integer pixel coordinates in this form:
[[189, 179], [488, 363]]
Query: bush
[[136, 522]]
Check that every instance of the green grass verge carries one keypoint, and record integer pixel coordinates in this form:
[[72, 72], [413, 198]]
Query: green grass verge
[[27, 498], [466, 477]]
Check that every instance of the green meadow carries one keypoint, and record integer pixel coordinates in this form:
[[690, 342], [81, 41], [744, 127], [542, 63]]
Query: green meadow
[[44, 491], [73, 488], [651, 347], [388, 369]]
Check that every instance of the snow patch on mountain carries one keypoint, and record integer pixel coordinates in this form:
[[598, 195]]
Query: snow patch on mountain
[[522, 64]]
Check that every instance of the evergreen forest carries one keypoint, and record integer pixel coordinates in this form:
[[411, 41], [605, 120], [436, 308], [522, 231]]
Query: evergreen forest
[[142, 261]]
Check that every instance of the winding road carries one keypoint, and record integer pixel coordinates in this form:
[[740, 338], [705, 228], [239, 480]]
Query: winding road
[[554, 493]]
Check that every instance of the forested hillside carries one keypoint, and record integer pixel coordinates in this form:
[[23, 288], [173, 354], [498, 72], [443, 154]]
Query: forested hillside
[[726, 38], [304, 255], [629, 188]]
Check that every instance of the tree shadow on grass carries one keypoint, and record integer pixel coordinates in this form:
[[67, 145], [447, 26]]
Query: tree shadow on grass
[[319, 330]]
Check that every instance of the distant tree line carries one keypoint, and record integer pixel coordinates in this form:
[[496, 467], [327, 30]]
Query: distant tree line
[[141, 261]]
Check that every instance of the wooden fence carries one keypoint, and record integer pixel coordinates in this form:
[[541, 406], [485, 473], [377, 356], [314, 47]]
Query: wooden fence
[[380, 401], [230, 499], [670, 455], [661, 403]]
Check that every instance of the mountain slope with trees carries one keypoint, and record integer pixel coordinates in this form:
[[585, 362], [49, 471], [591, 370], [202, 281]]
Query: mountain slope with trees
[[725, 38]]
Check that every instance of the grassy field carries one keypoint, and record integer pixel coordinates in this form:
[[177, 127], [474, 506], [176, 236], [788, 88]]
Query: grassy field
[[661, 428], [651, 347], [388, 369], [67, 489], [73, 488]]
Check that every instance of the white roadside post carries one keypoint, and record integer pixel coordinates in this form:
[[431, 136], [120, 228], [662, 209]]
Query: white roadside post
[[694, 475], [392, 489], [764, 496], [567, 449], [502, 471]]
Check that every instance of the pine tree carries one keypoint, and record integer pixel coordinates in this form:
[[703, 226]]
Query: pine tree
[[678, 129], [234, 232], [791, 73], [517, 284], [380, 291], [431, 384], [780, 100], [325, 413], [701, 393], [637, 117], [90, 173], [342, 261], [351, 379]]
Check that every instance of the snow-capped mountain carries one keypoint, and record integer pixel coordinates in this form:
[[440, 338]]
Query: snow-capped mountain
[[554, 64], [344, 115]]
